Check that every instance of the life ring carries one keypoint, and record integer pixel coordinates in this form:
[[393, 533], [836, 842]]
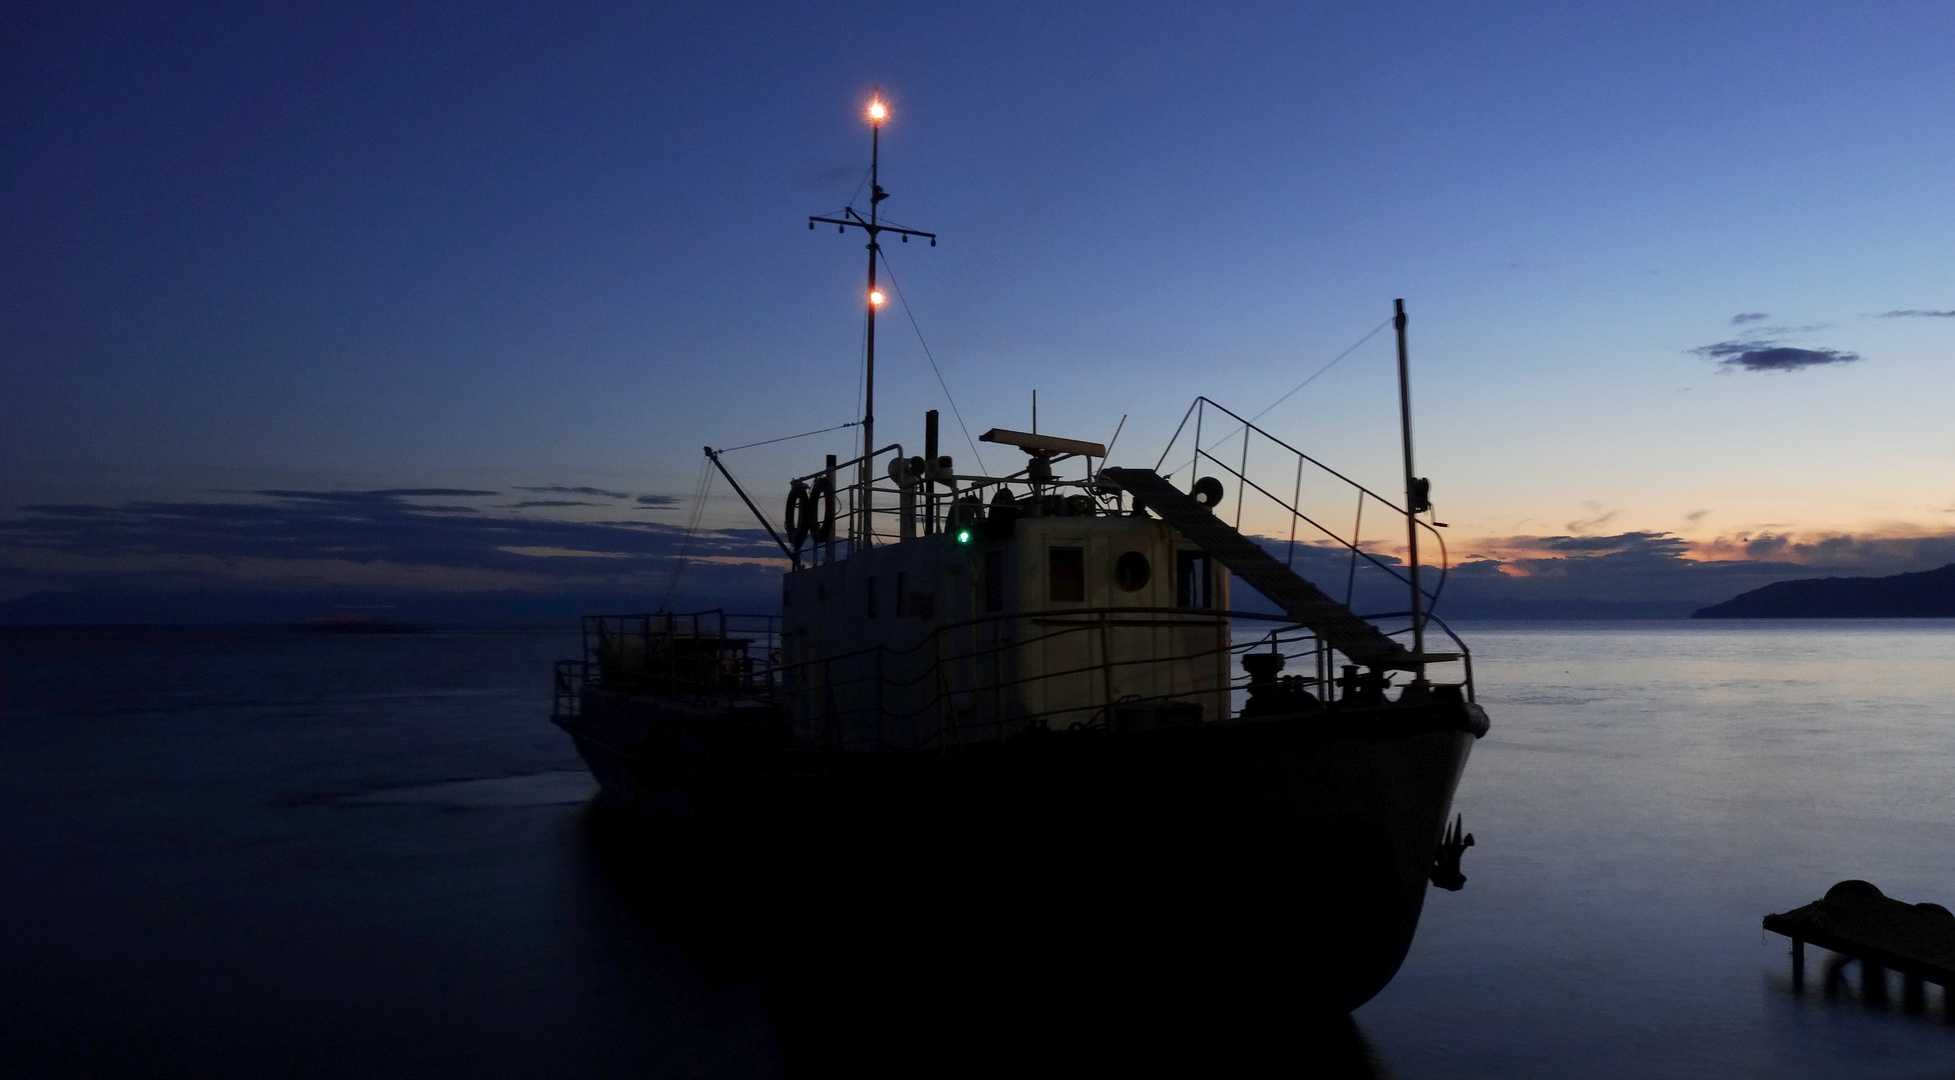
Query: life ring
[[1208, 492], [800, 515], [821, 495]]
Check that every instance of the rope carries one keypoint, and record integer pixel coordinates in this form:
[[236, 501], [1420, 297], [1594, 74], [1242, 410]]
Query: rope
[[1313, 378], [692, 530], [933, 361], [784, 438], [861, 383]]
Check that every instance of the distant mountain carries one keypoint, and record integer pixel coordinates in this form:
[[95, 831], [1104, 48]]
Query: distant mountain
[[1928, 594]]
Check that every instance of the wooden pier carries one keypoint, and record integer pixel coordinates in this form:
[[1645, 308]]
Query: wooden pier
[[1860, 924]]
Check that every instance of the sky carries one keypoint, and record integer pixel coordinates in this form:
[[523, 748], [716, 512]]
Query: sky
[[420, 297]]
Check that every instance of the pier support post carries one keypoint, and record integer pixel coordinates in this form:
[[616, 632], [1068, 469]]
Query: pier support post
[[1798, 966], [1914, 997], [1873, 982]]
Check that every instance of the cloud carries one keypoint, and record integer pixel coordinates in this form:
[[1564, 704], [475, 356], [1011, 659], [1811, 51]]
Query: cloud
[[557, 489], [564, 553], [1600, 518], [1915, 313], [386, 493], [1747, 317], [658, 500], [1696, 516], [1658, 574], [1771, 356], [68, 544], [835, 174], [544, 502]]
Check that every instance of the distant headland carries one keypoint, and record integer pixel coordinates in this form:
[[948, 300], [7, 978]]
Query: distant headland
[[1928, 594]]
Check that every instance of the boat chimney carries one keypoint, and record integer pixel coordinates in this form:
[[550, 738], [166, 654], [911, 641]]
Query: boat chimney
[[930, 471], [828, 514]]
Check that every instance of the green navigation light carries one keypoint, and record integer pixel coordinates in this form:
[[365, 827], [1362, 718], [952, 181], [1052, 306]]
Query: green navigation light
[[963, 536]]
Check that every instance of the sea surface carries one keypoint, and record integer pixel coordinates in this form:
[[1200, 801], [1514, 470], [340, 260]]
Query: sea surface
[[262, 853]]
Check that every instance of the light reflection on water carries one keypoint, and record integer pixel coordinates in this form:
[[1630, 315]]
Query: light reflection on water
[[247, 855], [1648, 792]]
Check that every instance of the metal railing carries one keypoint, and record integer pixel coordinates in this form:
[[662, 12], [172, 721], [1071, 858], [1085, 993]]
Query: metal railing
[[667, 651], [961, 682], [1321, 481]]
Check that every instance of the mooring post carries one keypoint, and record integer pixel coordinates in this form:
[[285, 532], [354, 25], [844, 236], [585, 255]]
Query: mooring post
[[1798, 966]]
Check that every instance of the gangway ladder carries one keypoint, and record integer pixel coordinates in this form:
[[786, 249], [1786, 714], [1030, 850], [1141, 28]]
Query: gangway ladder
[[1330, 620]]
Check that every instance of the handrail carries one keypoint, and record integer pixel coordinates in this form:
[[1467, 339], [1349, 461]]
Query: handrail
[[1200, 405], [772, 678]]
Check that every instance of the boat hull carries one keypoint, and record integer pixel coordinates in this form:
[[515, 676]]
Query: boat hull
[[1205, 859]]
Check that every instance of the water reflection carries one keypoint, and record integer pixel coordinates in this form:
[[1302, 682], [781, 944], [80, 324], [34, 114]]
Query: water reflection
[[923, 998]]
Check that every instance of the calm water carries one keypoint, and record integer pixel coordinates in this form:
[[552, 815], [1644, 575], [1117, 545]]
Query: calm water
[[263, 854]]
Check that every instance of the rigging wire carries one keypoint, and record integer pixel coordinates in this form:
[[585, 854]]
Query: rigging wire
[[692, 530], [900, 295], [859, 185], [1375, 331], [1313, 378], [784, 438], [861, 381]]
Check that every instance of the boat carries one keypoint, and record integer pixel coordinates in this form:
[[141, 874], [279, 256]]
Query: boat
[[1012, 723]]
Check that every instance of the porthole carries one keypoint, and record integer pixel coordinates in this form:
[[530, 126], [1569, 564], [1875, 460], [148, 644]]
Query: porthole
[[1131, 571]]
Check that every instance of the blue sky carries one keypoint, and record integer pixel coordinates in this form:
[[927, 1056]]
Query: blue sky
[[409, 247]]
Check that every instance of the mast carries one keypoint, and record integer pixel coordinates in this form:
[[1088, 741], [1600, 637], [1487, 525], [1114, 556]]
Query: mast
[[862, 527], [865, 472], [1415, 493]]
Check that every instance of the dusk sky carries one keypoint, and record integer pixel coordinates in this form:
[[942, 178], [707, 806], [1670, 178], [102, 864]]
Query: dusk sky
[[413, 296]]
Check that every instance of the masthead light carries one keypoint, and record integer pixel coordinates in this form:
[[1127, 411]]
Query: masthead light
[[878, 112], [876, 297]]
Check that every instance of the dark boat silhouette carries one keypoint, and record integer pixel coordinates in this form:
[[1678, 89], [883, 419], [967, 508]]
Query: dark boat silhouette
[[999, 730]]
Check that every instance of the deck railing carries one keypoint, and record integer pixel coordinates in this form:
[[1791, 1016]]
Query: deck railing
[[1312, 483], [960, 682]]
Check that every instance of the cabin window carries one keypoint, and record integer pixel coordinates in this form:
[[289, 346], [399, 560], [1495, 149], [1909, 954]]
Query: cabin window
[[1194, 580], [994, 580], [1131, 571], [872, 597], [1066, 574], [902, 594]]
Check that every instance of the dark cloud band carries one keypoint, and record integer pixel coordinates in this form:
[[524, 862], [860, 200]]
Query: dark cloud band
[[355, 526], [1771, 356], [558, 489]]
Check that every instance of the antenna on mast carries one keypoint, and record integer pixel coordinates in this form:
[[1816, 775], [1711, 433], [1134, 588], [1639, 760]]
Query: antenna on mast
[[877, 114]]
